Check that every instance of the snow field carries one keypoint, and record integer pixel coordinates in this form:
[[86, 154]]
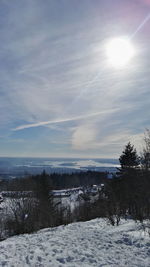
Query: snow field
[[92, 243]]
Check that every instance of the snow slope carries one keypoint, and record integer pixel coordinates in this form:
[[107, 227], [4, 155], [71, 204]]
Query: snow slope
[[92, 243]]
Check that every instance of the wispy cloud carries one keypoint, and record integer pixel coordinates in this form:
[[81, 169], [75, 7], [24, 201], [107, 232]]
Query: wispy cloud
[[53, 72], [43, 123]]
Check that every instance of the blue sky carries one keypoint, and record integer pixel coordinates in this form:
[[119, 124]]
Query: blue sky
[[58, 95]]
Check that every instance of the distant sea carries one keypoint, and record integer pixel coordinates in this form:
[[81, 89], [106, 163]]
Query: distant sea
[[19, 167]]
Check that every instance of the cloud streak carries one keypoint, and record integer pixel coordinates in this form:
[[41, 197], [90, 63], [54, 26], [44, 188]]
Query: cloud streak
[[81, 117], [147, 18], [54, 75]]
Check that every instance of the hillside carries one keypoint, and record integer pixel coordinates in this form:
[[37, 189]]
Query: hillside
[[92, 243]]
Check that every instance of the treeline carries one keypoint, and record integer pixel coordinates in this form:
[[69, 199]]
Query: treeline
[[127, 195], [129, 191], [55, 181], [26, 214]]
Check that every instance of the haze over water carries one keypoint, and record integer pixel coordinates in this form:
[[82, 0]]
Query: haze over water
[[16, 167]]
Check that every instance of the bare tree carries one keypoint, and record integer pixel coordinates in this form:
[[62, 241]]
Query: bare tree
[[21, 216], [145, 159]]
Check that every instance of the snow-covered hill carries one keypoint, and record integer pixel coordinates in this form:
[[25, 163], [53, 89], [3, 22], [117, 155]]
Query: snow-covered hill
[[92, 243]]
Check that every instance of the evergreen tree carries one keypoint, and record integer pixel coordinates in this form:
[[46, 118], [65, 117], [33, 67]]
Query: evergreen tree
[[129, 182], [129, 157]]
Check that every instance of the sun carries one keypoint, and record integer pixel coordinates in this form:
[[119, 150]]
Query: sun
[[119, 52]]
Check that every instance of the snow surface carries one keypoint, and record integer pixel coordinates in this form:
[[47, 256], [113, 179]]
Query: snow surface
[[92, 243]]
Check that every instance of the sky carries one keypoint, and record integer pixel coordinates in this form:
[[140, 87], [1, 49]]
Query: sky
[[59, 97]]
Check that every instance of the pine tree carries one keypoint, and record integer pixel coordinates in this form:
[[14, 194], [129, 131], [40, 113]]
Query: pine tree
[[129, 179], [129, 157]]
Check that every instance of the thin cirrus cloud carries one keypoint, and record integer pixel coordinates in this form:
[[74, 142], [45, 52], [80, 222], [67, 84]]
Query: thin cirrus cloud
[[43, 123], [54, 72]]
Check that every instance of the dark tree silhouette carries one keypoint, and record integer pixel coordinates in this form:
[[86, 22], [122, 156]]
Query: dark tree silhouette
[[145, 159], [129, 157]]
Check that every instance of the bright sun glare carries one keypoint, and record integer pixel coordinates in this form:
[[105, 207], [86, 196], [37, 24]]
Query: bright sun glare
[[119, 52]]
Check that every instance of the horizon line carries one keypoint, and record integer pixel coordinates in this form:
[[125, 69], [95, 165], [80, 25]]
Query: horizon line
[[57, 157]]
